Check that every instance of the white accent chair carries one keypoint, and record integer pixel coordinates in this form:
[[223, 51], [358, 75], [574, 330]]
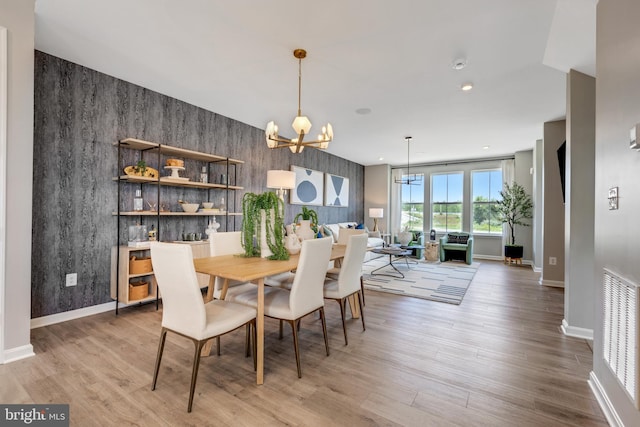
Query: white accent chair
[[305, 296], [349, 280], [183, 309]]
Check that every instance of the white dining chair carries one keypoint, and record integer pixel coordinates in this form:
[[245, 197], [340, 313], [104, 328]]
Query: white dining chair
[[183, 309], [305, 296], [349, 278], [227, 243]]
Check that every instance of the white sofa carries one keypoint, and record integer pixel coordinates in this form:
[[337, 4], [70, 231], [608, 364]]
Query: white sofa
[[341, 232]]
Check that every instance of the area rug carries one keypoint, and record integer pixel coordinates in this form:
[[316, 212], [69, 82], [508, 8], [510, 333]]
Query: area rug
[[444, 282]]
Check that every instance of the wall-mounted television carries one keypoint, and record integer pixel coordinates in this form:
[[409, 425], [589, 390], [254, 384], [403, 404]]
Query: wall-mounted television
[[562, 163]]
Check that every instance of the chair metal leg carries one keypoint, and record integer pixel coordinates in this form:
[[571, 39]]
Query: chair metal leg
[[246, 340], [324, 329], [295, 346], [343, 303], [254, 340], [163, 337], [361, 303], [280, 331], [362, 289], [194, 371], [218, 345]]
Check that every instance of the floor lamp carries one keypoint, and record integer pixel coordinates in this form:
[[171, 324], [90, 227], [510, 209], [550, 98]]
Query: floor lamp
[[376, 213]]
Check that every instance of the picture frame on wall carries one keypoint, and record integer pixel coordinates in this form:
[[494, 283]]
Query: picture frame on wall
[[309, 187], [336, 191]]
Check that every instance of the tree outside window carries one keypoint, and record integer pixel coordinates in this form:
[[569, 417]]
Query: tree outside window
[[446, 201], [486, 186], [413, 204]]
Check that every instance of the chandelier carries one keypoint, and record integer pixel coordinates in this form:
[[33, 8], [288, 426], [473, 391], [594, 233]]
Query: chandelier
[[408, 179], [301, 124]]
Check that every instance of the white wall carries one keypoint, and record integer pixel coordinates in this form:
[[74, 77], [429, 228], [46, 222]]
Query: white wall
[[18, 17], [523, 176], [616, 231], [538, 204], [553, 207], [377, 194], [578, 225]]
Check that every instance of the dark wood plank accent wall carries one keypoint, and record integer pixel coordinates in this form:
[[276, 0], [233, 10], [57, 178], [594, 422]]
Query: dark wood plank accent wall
[[79, 114]]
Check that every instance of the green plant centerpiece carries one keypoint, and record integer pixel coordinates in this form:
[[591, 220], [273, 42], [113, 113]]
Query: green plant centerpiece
[[308, 215], [514, 209], [252, 205]]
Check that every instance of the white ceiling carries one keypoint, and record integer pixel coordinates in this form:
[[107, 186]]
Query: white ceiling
[[235, 58]]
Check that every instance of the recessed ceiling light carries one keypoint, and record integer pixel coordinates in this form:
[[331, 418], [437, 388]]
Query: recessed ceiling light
[[363, 111], [380, 158], [459, 64], [466, 86], [486, 147]]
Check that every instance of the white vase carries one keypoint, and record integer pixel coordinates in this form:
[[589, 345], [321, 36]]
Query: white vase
[[304, 230], [404, 237], [292, 243], [265, 252]]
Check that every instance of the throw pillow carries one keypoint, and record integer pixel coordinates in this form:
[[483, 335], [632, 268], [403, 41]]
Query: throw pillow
[[360, 226], [463, 239], [326, 231], [452, 238]]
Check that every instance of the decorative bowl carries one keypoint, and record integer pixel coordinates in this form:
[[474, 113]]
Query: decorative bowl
[[190, 207], [207, 205]]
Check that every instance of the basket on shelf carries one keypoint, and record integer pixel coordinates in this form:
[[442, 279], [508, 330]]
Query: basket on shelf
[[138, 290], [139, 265]]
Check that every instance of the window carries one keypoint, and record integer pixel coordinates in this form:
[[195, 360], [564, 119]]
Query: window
[[446, 201], [413, 204], [486, 186]]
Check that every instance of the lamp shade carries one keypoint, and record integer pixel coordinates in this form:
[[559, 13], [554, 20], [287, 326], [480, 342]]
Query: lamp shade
[[376, 213], [301, 124], [281, 179]]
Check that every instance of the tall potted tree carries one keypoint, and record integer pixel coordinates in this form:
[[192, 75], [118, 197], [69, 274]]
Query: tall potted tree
[[514, 209]]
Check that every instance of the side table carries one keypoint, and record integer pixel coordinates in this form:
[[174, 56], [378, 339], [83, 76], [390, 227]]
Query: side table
[[432, 252]]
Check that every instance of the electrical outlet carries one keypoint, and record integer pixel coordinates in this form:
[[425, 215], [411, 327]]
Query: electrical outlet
[[553, 260], [72, 279]]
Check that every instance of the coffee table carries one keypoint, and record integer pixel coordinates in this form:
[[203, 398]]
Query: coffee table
[[391, 251]]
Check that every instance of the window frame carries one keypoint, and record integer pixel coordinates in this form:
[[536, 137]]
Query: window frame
[[473, 202], [432, 202], [423, 179]]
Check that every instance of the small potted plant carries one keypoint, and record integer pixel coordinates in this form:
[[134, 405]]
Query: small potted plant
[[514, 209], [308, 225]]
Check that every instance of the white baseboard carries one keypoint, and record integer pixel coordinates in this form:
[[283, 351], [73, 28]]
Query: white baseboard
[[38, 322], [18, 353], [552, 283], [536, 269], [574, 331], [489, 257], [500, 258], [603, 400]]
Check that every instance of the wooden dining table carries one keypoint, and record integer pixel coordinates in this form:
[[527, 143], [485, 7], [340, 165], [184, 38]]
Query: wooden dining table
[[253, 269]]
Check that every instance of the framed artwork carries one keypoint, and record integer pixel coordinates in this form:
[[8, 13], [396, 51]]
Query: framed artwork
[[309, 187], [336, 191]]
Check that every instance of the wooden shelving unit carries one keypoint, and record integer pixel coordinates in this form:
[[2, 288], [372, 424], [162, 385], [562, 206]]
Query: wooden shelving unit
[[155, 153]]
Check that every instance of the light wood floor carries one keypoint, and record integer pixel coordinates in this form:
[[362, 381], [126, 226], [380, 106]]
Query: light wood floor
[[498, 359]]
